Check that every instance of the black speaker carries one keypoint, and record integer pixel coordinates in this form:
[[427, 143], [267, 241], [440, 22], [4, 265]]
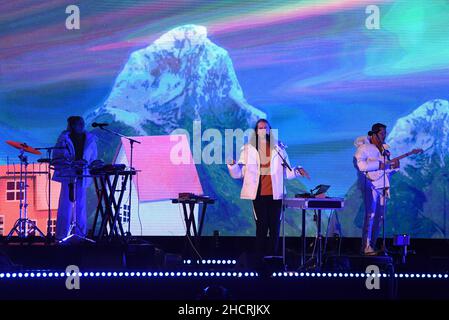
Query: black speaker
[[143, 256]]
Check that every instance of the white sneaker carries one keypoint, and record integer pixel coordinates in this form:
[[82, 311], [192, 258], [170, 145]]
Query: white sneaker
[[369, 251]]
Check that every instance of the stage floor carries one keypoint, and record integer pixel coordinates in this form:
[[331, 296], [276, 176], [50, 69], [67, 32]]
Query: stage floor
[[165, 268]]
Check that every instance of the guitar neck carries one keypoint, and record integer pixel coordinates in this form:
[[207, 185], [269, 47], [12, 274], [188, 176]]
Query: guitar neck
[[405, 155]]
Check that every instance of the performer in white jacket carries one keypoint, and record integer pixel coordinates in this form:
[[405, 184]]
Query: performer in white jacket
[[260, 166], [79, 150], [369, 162]]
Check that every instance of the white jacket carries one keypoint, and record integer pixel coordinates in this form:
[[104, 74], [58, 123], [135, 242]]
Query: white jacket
[[248, 168], [68, 153], [367, 159]]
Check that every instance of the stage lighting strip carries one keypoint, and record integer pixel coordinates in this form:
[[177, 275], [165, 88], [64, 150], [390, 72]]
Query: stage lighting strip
[[210, 261], [15, 275]]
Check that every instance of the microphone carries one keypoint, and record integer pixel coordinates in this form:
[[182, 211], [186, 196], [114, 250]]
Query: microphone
[[99, 124], [282, 145]]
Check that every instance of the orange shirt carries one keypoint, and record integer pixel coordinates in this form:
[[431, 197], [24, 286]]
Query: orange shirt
[[266, 186]]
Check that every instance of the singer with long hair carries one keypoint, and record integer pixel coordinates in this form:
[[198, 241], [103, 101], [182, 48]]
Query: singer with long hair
[[260, 166], [79, 149]]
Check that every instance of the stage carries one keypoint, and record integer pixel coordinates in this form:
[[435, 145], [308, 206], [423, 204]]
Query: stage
[[163, 268]]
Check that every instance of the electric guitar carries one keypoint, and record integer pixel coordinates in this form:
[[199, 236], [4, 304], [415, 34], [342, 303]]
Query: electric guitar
[[376, 175]]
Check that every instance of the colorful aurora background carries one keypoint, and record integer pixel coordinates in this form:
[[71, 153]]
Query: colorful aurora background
[[313, 67]]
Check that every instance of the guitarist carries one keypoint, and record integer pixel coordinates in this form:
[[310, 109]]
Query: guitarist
[[372, 161]]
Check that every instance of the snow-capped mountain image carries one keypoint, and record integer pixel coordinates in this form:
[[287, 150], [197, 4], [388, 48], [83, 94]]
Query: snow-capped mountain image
[[183, 77], [180, 77], [427, 128], [419, 190]]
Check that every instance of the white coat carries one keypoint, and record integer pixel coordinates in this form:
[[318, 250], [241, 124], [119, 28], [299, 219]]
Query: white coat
[[248, 168], [368, 158], [68, 154]]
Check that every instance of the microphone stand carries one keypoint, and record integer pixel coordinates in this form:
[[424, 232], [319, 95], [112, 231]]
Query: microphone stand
[[384, 199], [285, 166], [131, 143]]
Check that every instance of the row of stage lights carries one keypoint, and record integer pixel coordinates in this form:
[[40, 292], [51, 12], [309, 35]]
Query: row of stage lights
[[359, 275], [209, 261], [126, 274], [215, 274]]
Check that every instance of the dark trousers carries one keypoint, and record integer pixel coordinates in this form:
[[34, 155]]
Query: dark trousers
[[267, 213]]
